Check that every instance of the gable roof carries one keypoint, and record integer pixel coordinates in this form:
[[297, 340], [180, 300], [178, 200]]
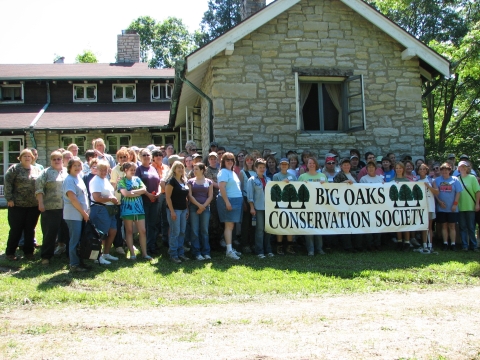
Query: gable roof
[[10, 72], [197, 62]]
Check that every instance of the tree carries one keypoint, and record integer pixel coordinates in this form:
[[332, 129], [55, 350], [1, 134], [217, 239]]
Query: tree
[[405, 194], [303, 195], [393, 194], [221, 16], [417, 194], [289, 194], [162, 44], [87, 57], [276, 194]]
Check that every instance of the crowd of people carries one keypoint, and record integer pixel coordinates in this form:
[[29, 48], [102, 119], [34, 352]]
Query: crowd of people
[[189, 203]]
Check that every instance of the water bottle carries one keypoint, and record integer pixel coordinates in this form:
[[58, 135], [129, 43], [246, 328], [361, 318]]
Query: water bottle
[[254, 220]]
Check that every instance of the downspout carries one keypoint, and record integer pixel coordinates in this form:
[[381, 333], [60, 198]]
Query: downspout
[[180, 74], [39, 115]]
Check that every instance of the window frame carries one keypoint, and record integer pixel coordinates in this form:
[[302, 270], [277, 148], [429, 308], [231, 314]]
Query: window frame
[[163, 135], [124, 98], [119, 145], [75, 137], [6, 152], [168, 92], [3, 86], [347, 96], [85, 93]]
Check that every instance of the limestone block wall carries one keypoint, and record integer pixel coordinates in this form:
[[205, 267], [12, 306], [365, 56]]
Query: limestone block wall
[[253, 90]]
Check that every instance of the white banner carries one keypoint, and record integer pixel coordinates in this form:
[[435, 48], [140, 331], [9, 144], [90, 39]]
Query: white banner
[[312, 208]]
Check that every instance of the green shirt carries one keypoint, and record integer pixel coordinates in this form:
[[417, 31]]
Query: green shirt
[[466, 203], [318, 177]]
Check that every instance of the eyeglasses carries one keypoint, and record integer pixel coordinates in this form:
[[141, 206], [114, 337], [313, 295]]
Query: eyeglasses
[[436, 168], [229, 159], [57, 159], [145, 155], [331, 163], [241, 155]]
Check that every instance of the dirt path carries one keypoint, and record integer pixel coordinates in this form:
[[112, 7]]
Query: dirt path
[[420, 325]]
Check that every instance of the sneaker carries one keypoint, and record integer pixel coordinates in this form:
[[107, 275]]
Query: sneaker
[[231, 255], [445, 247], [261, 256], [109, 257], [270, 255], [310, 253], [186, 248], [147, 257], [223, 244], [424, 251], [176, 260], [60, 249], [76, 268], [103, 261], [414, 242], [320, 252], [184, 258], [238, 253], [199, 257], [120, 250], [45, 262], [452, 247], [394, 240], [207, 257], [290, 250]]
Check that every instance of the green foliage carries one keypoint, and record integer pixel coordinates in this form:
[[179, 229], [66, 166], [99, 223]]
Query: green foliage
[[221, 16], [86, 57], [289, 194], [163, 43]]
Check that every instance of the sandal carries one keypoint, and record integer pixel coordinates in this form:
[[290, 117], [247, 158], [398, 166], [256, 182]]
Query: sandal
[[147, 257], [133, 257]]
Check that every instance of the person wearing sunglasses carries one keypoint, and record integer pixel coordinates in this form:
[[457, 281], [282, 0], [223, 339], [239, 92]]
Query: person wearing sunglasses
[[149, 176], [191, 147], [329, 170], [229, 201], [48, 190]]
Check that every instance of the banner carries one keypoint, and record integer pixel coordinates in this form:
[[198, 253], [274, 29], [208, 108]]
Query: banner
[[313, 208]]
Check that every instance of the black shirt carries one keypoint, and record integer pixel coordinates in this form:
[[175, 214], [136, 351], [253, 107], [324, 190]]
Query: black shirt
[[179, 194]]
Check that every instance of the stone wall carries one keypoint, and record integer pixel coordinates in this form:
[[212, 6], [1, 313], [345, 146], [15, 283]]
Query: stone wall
[[253, 90]]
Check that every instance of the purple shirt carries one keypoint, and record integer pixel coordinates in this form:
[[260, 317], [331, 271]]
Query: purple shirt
[[200, 192], [150, 178]]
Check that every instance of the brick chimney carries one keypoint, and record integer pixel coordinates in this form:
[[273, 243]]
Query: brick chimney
[[128, 47], [250, 7]]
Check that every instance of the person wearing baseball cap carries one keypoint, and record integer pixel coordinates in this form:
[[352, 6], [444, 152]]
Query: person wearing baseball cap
[[173, 158], [330, 167]]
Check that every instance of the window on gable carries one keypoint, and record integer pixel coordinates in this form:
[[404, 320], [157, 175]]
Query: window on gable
[[124, 92], [11, 93], [330, 104], [160, 92], [84, 93]]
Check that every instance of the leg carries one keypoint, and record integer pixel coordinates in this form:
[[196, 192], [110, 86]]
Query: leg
[[31, 220], [129, 235], [227, 233], [51, 223], [260, 238], [75, 232], [174, 233], [452, 232], [309, 244], [142, 234], [183, 226], [470, 220], [462, 223], [204, 238], [195, 230], [16, 221]]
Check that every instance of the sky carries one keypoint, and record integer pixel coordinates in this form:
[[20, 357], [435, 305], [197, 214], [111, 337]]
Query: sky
[[36, 31]]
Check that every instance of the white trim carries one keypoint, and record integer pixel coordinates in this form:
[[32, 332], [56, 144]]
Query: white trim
[[408, 54], [229, 49], [124, 99], [85, 86], [240, 31], [421, 50], [279, 6], [6, 85], [168, 92], [118, 145]]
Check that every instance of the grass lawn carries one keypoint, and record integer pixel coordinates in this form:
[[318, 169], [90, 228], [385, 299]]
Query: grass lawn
[[126, 283]]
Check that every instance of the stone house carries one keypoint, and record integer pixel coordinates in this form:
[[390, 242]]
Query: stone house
[[307, 74], [49, 106]]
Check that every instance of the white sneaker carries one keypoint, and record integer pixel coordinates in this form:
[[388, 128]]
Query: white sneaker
[[270, 255], [102, 261], [414, 242], [207, 257], [238, 253], [199, 257], [394, 239], [120, 250], [230, 254], [109, 257], [261, 256]]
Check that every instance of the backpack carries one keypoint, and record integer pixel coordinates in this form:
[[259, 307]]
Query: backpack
[[90, 245]]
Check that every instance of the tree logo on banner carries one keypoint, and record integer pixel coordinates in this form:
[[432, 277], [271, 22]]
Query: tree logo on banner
[[289, 194], [406, 194]]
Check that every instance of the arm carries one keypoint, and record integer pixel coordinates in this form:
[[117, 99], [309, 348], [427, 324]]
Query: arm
[[433, 188], [250, 196], [168, 199], [76, 204], [223, 194], [477, 203], [455, 202], [41, 206], [39, 190], [194, 201], [10, 177], [210, 196], [97, 197]]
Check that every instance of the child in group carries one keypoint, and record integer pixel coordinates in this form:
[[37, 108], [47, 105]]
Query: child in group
[[256, 198], [131, 208]]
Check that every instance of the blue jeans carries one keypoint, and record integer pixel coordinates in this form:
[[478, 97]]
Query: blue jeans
[[466, 221], [75, 232], [151, 215], [262, 242], [162, 221], [177, 233], [313, 242], [199, 231]]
